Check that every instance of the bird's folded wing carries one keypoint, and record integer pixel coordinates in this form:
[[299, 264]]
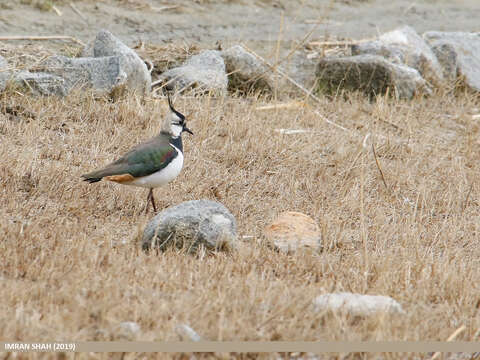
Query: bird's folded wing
[[143, 160]]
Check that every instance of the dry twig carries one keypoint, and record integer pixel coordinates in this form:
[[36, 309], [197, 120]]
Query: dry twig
[[78, 12], [339, 43], [52, 37], [378, 166]]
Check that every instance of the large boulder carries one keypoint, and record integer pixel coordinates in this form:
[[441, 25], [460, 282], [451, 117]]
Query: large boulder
[[357, 304], [190, 225], [245, 72], [404, 46], [371, 74], [137, 75], [459, 55], [100, 74], [203, 73], [112, 66], [300, 68]]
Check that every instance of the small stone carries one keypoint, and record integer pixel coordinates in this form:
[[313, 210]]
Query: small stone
[[127, 330], [292, 231], [357, 304], [191, 224], [187, 333], [203, 73]]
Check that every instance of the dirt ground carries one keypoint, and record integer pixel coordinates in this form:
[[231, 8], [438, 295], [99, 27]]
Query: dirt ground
[[259, 23]]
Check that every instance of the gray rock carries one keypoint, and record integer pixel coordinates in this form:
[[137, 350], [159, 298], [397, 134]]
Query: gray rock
[[204, 73], [114, 67], [459, 55], [405, 46], [102, 74], [4, 75], [138, 77], [301, 69], [245, 72], [357, 304], [40, 83], [371, 74], [191, 224], [187, 333]]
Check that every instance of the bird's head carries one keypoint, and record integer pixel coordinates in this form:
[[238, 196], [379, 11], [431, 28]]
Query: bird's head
[[177, 121]]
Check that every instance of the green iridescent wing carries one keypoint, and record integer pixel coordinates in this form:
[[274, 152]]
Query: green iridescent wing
[[143, 160]]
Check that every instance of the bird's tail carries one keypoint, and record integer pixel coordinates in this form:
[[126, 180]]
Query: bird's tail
[[91, 179], [112, 169]]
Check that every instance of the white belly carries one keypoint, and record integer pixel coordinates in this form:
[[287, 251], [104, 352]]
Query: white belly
[[163, 176]]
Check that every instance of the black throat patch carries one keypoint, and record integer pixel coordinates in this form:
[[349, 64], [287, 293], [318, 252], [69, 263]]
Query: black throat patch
[[177, 142]]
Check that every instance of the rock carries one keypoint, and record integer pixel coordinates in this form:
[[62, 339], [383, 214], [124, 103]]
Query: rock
[[102, 74], [138, 77], [191, 224], [187, 333], [371, 74], [405, 46], [4, 75], [459, 55], [41, 83], [292, 231], [127, 330], [114, 68], [245, 72], [300, 68], [204, 73], [357, 304]]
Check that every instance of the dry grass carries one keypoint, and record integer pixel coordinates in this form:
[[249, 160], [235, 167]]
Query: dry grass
[[72, 267]]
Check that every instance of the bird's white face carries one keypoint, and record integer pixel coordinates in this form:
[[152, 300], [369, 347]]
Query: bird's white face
[[176, 126]]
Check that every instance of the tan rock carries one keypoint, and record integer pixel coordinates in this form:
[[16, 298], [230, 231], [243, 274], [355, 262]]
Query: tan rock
[[291, 231]]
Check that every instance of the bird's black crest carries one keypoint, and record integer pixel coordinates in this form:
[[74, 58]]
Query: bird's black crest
[[181, 116]]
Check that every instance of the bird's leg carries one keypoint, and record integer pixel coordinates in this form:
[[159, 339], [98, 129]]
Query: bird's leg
[[150, 194], [153, 200]]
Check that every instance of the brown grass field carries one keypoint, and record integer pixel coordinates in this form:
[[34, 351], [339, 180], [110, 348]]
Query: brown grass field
[[72, 267]]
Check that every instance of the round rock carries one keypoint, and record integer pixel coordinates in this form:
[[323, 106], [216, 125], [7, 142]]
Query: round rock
[[292, 230], [190, 225], [357, 304]]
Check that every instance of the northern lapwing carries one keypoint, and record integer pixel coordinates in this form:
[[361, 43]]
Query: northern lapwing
[[150, 164]]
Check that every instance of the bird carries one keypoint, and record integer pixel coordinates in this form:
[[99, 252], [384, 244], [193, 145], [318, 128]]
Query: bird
[[150, 164]]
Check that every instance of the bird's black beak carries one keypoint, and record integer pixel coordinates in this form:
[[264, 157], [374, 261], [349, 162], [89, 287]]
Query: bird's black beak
[[187, 130]]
